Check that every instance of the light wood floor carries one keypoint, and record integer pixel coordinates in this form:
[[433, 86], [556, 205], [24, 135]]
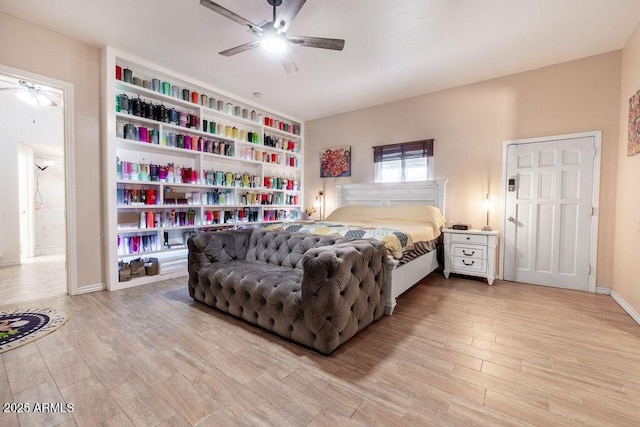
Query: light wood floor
[[34, 279], [456, 352]]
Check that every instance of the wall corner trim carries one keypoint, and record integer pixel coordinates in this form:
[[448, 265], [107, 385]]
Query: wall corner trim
[[625, 306], [91, 288], [603, 291]]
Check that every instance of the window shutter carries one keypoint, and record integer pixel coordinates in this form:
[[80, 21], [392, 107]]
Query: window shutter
[[405, 150]]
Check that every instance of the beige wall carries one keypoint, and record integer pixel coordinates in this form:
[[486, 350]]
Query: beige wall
[[34, 49], [470, 123], [626, 281]]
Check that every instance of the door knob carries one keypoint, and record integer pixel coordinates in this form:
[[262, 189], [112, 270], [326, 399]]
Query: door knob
[[512, 219]]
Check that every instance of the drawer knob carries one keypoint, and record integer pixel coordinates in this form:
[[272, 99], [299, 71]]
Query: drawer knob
[[465, 263], [466, 254], [468, 238]]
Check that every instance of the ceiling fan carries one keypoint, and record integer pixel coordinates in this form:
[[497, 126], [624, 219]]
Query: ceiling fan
[[272, 35], [33, 94]]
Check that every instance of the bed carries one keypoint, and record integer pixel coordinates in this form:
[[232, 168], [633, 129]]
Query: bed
[[409, 263]]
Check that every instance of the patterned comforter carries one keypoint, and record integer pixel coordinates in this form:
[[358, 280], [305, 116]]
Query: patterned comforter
[[395, 241]]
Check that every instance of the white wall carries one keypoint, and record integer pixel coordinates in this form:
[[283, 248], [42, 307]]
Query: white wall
[[49, 218]]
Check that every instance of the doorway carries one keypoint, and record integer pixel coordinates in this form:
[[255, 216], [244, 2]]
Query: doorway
[[35, 237], [550, 210], [25, 191]]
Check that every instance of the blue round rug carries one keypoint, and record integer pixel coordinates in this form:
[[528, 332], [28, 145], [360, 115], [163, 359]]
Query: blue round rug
[[21, 327]]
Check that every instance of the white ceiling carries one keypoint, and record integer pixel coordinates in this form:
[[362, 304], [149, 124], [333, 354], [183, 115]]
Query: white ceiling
[[394, 48]]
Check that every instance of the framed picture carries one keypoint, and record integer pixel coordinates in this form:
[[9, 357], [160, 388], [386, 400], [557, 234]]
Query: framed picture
[[335, 162], [633, 145]]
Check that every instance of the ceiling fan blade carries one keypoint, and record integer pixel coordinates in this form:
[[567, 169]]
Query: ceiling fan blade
[[53, 103], [48, 95], [231, 15], [287, 14], [9, 82], [288, 64], [241, 48], [319, 42]]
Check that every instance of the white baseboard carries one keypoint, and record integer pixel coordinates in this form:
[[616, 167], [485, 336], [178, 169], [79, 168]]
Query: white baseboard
[[625, 306], [91, 288], [49, 250], [9, 263], [603, 291]]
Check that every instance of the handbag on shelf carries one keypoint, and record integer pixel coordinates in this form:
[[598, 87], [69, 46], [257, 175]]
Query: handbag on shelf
[[137, 268], [152, 266], [124, 272]]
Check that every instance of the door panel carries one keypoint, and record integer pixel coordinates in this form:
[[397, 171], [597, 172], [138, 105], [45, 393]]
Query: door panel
[[523, 237], [568, 239], [548, 235], [544, 238]]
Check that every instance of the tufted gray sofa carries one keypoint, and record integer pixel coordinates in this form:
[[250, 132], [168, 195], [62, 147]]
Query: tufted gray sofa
[[315, 290]]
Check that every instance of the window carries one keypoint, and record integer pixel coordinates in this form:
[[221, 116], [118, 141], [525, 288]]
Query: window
[[409, 161]]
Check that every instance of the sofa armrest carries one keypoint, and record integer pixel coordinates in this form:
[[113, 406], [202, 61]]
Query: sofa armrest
[[206, 248], [342, 290]]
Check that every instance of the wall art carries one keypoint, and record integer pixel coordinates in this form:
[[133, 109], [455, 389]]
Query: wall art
[[633, 145], [335, 162]]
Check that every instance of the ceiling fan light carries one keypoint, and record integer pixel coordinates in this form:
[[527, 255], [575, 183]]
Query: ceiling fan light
[[35, 98], [28, 97], [274, 44]]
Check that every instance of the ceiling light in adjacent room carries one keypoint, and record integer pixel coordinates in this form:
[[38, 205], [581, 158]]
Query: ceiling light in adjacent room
[[25, 96], [33, 97]]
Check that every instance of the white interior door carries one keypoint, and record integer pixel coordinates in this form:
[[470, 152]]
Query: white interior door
[[548, 209]]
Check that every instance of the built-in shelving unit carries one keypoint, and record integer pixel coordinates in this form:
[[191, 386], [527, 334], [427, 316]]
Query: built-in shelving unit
[[180, 157]]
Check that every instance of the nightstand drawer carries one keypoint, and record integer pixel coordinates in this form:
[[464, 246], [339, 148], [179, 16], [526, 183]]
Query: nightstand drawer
[[470, 264], [469, 238], [469, 251]]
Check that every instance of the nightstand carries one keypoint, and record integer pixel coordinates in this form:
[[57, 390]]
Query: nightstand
[[470, 252]]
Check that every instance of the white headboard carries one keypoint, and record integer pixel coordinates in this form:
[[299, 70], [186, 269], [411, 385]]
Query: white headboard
[[389, 194]]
